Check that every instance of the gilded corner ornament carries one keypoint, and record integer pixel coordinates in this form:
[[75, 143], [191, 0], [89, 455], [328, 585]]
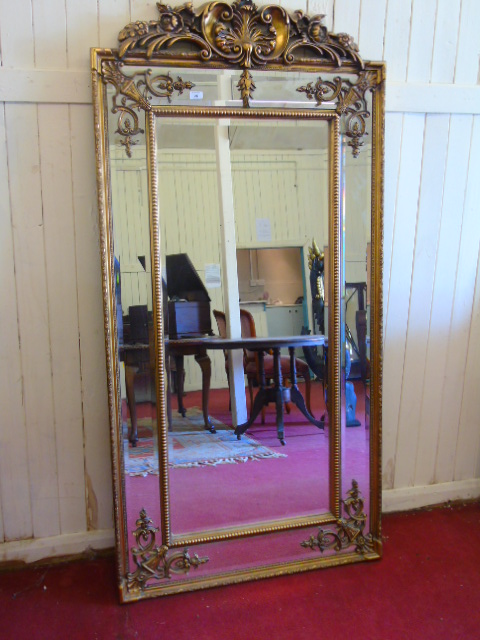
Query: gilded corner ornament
[[350, 102], [152, 561], [349, 530]]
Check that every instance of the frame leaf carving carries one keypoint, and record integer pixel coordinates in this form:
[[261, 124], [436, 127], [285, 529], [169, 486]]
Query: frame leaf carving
[[152, 561]]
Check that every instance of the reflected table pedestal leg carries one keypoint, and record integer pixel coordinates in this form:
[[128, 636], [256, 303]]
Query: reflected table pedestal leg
[[296, 395], [278, 394]]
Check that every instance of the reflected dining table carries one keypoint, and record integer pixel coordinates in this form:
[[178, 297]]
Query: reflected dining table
[[276, 393]]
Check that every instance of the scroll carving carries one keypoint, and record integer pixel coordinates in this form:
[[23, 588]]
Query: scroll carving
[[137, 91], [350, 102], [349, 530], [152, 561]]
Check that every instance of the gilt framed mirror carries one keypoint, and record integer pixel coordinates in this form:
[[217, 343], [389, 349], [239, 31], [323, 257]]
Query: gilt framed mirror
[[240, 188]]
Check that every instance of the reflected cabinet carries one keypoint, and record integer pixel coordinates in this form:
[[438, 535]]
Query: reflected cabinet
[[239, 160]]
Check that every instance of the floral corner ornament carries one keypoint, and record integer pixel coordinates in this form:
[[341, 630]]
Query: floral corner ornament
[[240, 35]]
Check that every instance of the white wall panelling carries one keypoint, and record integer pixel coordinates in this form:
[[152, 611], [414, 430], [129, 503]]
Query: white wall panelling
[[14, 484], [54, 454], [448, 246], [421, 287], [33, 316]]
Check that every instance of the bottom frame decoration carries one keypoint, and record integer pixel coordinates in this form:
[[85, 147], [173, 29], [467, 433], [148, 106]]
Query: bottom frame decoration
[[349, 530], [152, 561]]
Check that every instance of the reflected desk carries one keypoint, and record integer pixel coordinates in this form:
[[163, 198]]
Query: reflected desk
[[276, 393], [138, 359]]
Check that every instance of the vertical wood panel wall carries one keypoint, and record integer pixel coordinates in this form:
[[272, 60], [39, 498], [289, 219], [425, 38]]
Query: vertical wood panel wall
[[55, 486]]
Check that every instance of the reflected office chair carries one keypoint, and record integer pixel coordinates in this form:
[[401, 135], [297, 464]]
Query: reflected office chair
[[251, 364]]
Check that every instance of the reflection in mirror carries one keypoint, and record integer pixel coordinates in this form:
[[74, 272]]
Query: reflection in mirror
[[280, 197], [356, 316], [134, 306]]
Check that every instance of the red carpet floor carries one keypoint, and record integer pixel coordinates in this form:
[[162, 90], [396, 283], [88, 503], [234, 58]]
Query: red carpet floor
[[426, 586]]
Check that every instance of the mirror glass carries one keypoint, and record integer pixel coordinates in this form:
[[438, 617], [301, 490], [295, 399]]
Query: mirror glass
[[356, 181], [279, 173], [237, 210], [135, 328]]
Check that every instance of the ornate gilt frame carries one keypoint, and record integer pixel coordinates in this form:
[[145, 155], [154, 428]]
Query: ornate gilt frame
[[240, 36]]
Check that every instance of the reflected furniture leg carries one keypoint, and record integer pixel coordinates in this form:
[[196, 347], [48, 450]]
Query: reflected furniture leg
[[132, 407], [278, 386], [206, 366], [261, 399], [204, 362], [179, 384], [169, 394], [296, 395], [277, 394]]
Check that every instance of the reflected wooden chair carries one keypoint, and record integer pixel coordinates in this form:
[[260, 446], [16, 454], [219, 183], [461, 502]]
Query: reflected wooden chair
[[251, 364]]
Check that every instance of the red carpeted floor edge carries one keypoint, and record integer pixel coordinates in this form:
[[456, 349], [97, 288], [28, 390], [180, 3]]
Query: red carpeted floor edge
[[426, 586]]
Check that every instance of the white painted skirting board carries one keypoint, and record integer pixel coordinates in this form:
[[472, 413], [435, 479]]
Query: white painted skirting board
[[415, 497], [62, 86], [56, 546], [404, 499]]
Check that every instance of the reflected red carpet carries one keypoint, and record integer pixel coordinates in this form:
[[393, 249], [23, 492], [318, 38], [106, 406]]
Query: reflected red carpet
[[214, 497], [426, 587]]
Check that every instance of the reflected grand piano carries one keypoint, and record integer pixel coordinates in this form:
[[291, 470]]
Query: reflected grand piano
[[188, 317]]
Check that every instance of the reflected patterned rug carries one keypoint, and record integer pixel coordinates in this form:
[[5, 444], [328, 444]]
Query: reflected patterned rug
[[189, 445]]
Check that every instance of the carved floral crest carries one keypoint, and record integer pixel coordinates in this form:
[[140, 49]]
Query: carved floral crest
[[245, 37], [240, 34]]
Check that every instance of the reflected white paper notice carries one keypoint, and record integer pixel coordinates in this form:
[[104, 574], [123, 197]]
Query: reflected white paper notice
[[212, 276], [264, 230]]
